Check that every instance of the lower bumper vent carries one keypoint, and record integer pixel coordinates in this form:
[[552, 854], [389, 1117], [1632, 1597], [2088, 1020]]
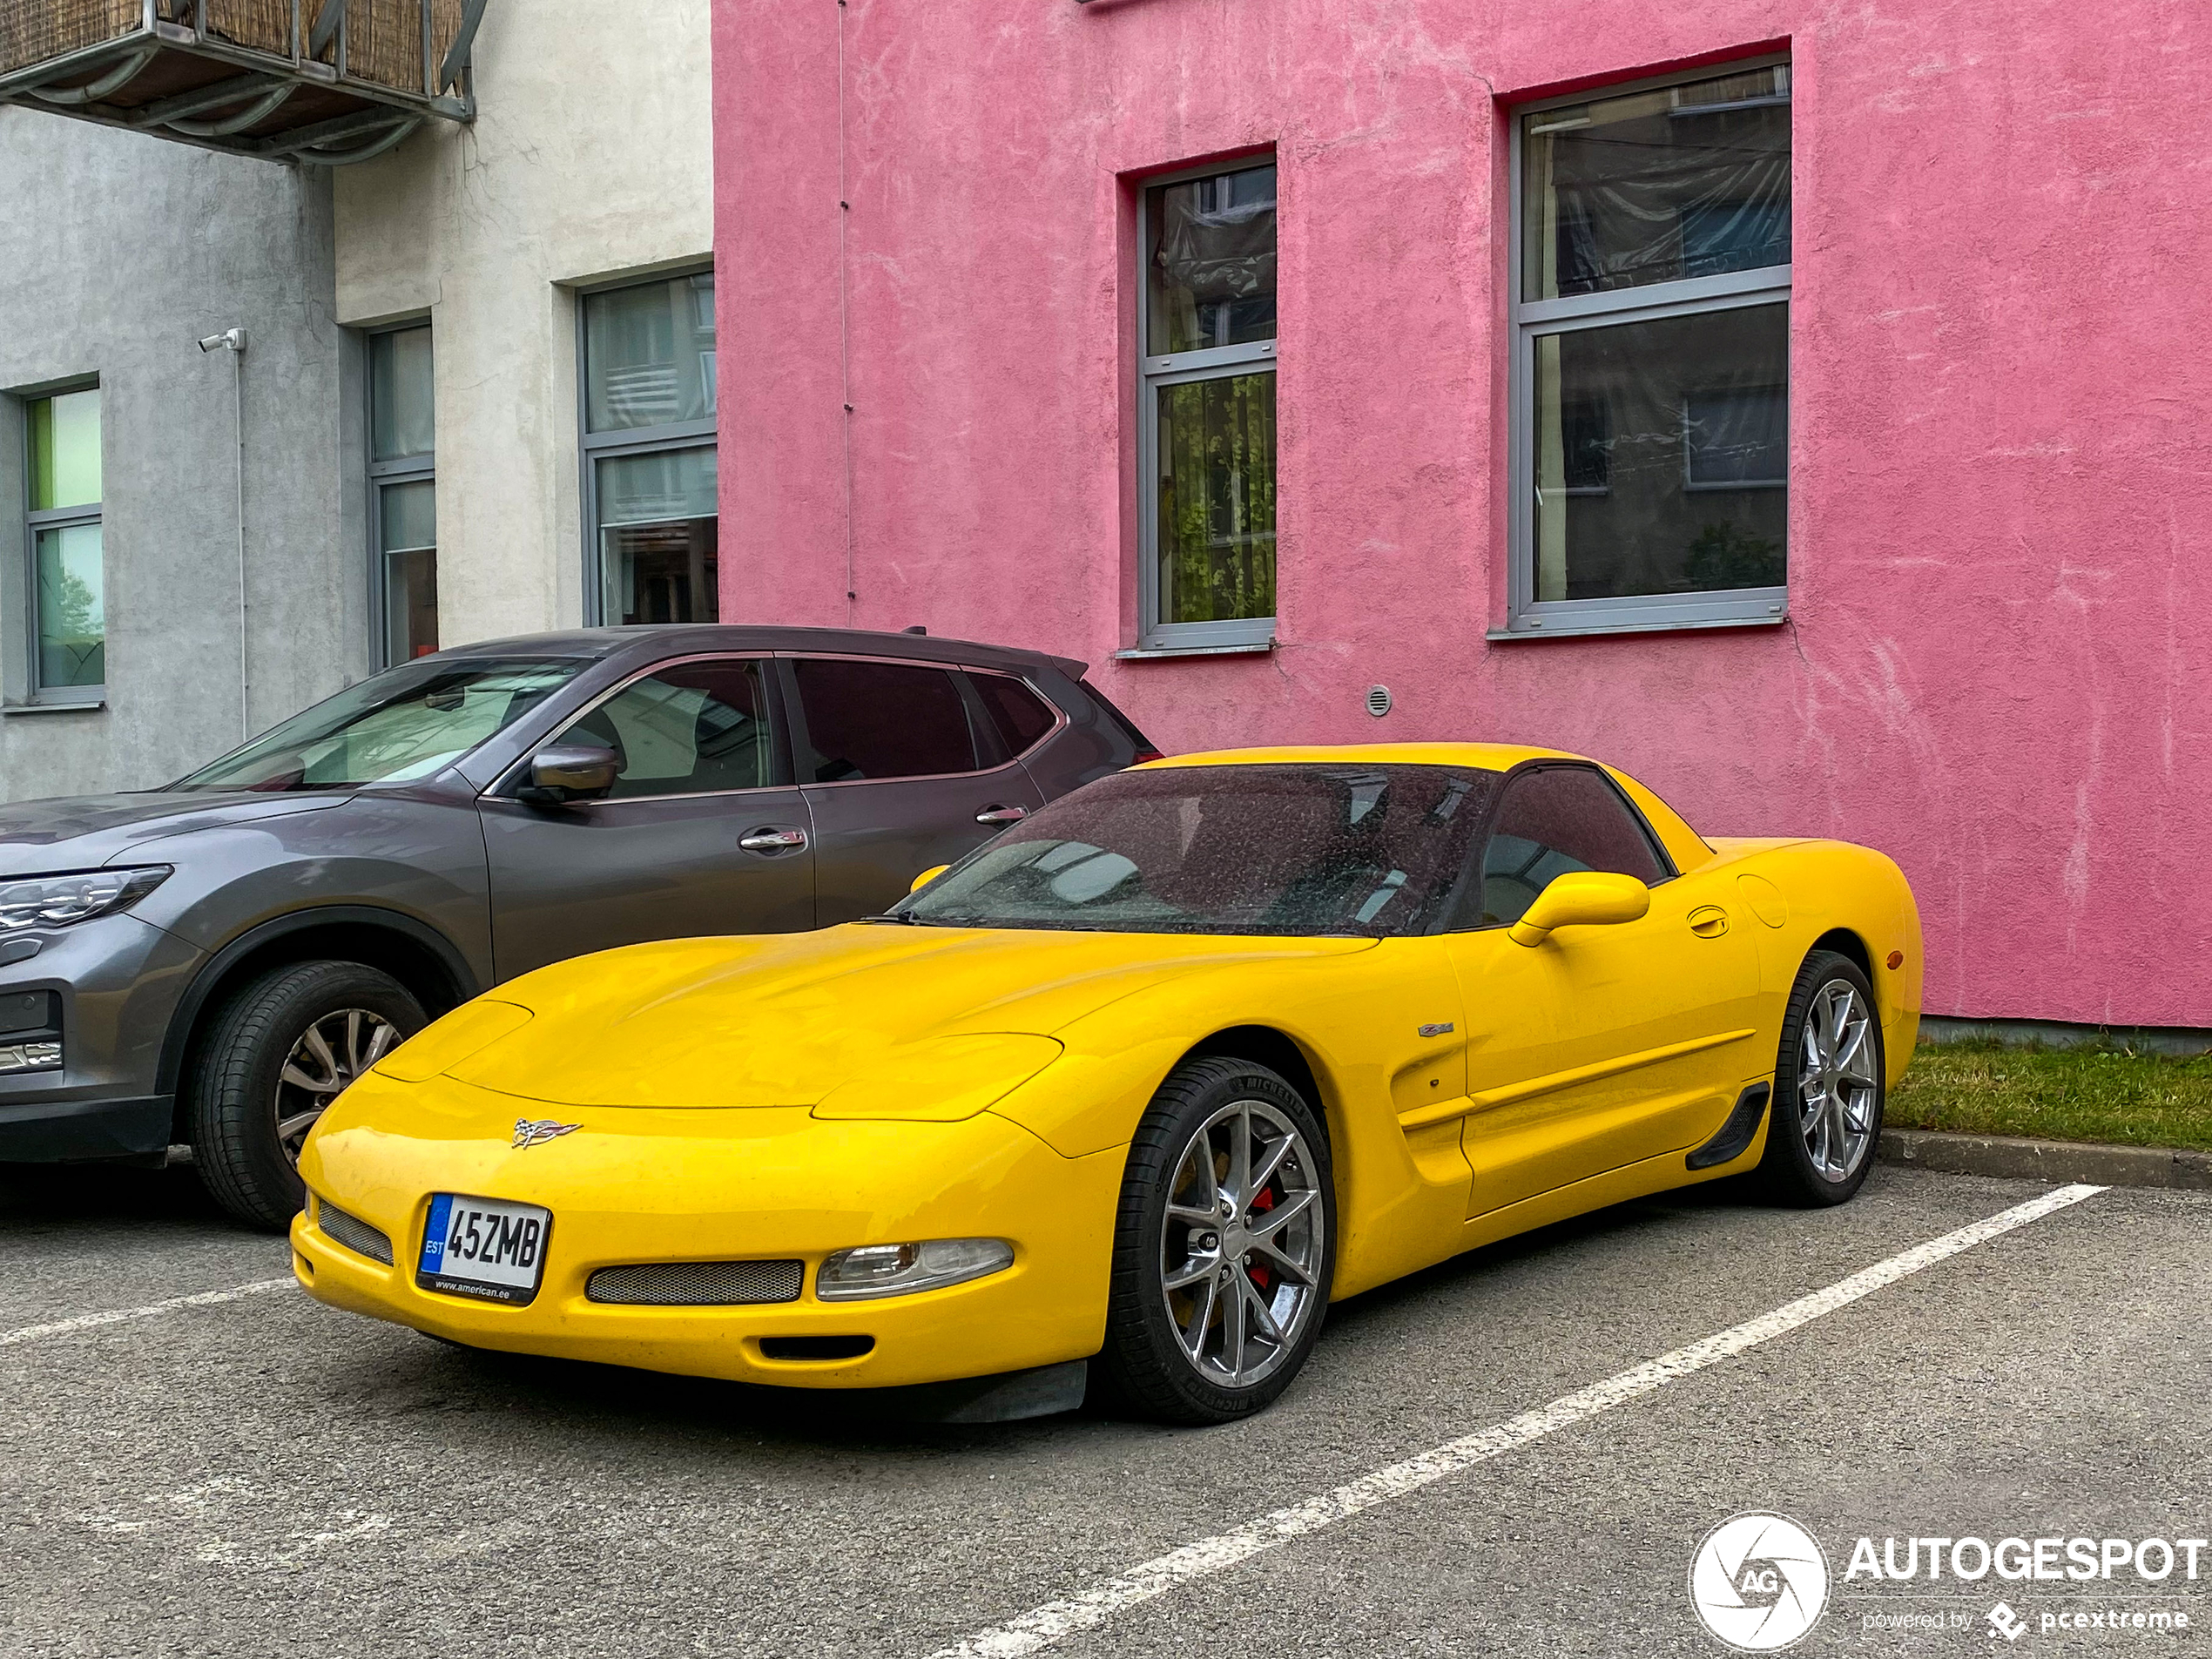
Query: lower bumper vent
[[697, 1285], [353, 1232]]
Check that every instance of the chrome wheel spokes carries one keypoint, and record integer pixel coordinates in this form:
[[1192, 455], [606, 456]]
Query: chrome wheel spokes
[[329, 1055], [1240, 1256], [1837, 1084]]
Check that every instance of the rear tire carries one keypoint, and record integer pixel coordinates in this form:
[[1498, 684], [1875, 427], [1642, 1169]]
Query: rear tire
[[277, 1052], [1829, 1095], [1223, 1246]]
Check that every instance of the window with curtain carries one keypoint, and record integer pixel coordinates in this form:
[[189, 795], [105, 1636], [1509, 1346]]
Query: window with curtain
[[649, 452], [68, 583], [1206, 415], [402, 483], [1651, 357]]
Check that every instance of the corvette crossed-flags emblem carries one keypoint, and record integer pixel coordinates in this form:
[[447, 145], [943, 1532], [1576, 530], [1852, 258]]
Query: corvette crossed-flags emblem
[[530, 1132]]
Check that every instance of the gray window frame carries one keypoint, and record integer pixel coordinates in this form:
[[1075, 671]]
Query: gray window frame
[[1526, 617], [55, 519], [401, 469], [1154, 637], [592, 447]]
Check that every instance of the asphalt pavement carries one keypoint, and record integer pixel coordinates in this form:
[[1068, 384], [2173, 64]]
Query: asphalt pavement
[[262, 1475]]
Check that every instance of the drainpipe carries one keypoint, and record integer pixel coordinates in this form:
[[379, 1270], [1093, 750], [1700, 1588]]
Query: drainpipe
[[233, 341]]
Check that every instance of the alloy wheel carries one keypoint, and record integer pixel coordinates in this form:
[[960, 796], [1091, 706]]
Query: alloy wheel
[[1837, 1088], [329, 1055], [1242, 1250]]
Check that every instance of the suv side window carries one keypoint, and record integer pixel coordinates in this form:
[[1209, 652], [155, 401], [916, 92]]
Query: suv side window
[[691, 729], [1022, 718], [1552, 820], [874, 720]]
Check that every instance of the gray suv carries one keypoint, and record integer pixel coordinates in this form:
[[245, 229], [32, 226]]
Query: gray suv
[[212, 962]]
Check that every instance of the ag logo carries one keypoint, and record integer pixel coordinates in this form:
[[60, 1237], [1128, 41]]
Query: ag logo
[[1758, 1582]]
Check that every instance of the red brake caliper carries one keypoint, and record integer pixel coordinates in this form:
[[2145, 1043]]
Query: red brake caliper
[[1264, 1201]]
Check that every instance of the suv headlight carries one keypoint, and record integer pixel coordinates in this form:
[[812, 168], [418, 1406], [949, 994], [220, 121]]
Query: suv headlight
[[56, 901]]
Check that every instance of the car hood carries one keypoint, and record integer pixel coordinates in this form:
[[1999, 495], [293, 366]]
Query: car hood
[[787, 1019], [85, 832]]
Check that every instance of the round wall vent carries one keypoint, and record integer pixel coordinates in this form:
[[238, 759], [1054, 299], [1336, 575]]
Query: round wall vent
[[1379, 700]]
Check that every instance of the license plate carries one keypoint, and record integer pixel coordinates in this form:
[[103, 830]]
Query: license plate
[[486, 1248]]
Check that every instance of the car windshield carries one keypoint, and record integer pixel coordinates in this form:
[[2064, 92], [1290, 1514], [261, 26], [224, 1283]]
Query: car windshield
[[1369, 851], [408, 722]]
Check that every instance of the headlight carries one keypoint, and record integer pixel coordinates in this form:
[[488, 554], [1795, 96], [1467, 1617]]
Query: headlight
[[56, 901], [901, 1270]]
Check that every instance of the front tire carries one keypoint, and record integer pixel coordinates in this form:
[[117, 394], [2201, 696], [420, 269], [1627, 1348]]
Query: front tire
[[1829, 1090], [277, 1053], [1223, 1246]]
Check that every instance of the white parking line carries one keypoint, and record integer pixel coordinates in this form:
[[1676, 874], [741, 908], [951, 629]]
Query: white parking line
[[1041, 1627], [90, 1321]]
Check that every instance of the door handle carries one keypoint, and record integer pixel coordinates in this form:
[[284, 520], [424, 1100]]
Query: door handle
[[1708, 921], [774, 840], [1001, 814]]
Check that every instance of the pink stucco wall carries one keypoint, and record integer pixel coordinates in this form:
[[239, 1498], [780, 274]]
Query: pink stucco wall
[[1997, 666]]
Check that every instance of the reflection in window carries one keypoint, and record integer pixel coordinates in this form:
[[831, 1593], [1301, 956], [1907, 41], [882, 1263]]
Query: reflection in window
[[693, 729], [1212, 271], [649, 354], [1693, 464], [659, 537], [1658, 185]]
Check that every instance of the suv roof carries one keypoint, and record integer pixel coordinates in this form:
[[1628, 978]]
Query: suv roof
[[689, 637]]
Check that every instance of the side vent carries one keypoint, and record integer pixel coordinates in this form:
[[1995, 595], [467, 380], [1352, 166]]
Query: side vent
[[1736, 1134]]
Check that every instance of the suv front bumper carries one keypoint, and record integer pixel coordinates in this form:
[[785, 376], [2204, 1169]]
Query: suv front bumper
[[119, 981]]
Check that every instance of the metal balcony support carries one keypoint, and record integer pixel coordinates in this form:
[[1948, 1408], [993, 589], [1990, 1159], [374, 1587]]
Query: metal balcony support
[[457, 58], [335, 82]]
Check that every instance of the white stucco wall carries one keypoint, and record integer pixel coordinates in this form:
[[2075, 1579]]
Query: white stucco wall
[[590, 158]]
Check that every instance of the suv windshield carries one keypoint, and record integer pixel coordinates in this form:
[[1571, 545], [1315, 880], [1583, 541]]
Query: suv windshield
[[407, 721], [1365, 851]]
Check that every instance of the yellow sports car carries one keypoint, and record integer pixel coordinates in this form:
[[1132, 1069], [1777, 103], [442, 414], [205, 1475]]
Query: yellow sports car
[[1128, 1095]]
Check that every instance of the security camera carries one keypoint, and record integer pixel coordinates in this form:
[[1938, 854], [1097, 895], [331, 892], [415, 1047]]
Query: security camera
[[229, 340]]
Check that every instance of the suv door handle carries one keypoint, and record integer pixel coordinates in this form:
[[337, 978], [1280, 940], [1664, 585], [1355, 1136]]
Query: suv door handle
[[771, 839], [1001, 814]]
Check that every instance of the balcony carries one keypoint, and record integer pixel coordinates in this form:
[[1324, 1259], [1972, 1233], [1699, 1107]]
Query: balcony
[[319, 82]]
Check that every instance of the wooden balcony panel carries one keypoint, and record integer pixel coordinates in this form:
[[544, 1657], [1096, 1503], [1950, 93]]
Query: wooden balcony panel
[[247, 76]]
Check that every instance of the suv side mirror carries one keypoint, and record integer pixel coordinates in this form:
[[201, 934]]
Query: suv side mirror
[[1581, 899], [566, 771]]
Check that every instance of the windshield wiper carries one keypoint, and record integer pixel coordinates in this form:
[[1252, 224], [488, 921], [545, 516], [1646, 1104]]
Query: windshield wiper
[[893, 915]]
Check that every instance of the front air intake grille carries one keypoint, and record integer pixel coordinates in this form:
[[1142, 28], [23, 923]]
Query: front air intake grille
[[697, 1285], [353, 1232]]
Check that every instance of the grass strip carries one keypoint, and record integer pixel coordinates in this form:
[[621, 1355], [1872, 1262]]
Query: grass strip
[[2106, 1093]]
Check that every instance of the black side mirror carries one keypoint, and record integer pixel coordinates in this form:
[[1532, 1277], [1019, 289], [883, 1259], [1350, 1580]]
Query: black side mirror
[[567, 771]]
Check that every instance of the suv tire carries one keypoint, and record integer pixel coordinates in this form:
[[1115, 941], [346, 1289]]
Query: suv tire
[[269, 1047]]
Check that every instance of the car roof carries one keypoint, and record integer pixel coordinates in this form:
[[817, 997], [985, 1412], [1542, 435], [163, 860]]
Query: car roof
[[1488, 757], [683, 639]]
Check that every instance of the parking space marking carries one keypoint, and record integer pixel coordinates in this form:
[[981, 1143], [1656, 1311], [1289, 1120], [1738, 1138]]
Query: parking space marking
[[117, 1316], [1041, 1627]]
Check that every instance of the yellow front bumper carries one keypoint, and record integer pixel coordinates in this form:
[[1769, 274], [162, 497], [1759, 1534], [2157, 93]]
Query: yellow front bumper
[[635, 1185]]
